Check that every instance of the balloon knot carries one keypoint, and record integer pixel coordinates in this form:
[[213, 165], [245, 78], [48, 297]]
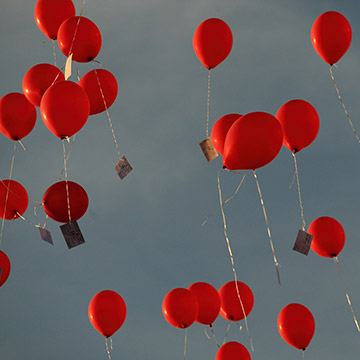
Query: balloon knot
[[224, 167]]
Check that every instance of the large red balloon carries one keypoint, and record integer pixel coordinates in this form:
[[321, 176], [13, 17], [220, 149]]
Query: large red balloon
[[180, 307], [231, 308], [87, 43], [107, 312], [209, 302], [55, 201], [220, 130], [49, 14], [253, 141], [17, 116], [38, 79], [212, 42], [328, 236], [233, 350], [17, 199], [300, 124], [331, 36], [64, 108], [109, 87], [5, 267], [296, 325]]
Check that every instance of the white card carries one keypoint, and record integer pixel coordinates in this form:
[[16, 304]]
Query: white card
[[123, 167], [72, 234], [68, 66], [46, 236], [303, 242], [208, 149]]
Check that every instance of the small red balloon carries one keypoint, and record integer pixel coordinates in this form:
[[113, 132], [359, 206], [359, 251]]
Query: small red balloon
[[49, 14], [14, 199], [233, 350], [253, 141], [208, 299], [220, 129], [38, 79], [331, 36], [5, 267], [328, 236], [231, 308], [101, 87], [296, 325], [300, 124], [212, 42], [55, 201], [17, 116], [180, 308], [107, 312], [87, 43], [64, 108]]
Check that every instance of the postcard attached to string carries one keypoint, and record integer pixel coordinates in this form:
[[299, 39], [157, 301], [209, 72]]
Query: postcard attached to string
[[303, 242]]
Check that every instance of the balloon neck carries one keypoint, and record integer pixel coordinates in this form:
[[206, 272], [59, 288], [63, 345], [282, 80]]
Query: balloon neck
[[224, 167]]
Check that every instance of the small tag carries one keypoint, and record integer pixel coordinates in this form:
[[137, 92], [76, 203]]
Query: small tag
[[208, 149], [68, 66], [72, 234], [46, 236], [303, 242], [0, 272], [123, 168]]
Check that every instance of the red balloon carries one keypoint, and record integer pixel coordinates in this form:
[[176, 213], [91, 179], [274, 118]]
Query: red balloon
[[17, 116], [296, 325], [38, 79], [212, 42], [87, 43], [14, 199], [55, 201], [253, 141], [220, 129], [109, 87], [49, 14], [328, 236], [300, 124], [231, 308], [331, 36], [5, 267], [107, 312], [209, 302], [180, 308], [64, 108], [233, 350]]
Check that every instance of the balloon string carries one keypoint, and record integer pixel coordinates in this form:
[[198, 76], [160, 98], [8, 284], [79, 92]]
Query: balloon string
[[107, 347], [66, 181], [268, 228], [77, 27], [336, 260], [208, 106], [108, 114], [227, 200], [227, 333], [29, 222], [213, 335], [185, 344], [67, 156], [54, 52], [232, 259], [299, 192], [22, 145], [343, 105], [303, 354], [7, 192]]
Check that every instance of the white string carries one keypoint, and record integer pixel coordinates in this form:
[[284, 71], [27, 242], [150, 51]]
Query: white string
[[22, 145], [29, 222], [268, 228], [185, 344], [66, 181], [232, 259], [302, 354], [107, 347], [54, 52], [68, 155], [77, 27], [299, 192], [338, 267], [208, 106], [227, 332]]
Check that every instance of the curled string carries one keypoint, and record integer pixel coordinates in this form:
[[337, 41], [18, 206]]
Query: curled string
[[108, 349], [26, 220], [338, 267], [7, 192], [232, 259], [299, 192], [185, 344], [268, 228], [66, 182], [54, 52], [208, 106], [343, 105], [227, 332], [68, 155], [227, 200]]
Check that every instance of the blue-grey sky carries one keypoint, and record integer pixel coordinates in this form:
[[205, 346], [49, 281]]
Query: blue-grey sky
[[143, 234]]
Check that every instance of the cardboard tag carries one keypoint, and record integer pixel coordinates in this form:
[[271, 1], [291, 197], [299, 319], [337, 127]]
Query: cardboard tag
[[208, 149], [72, 234], [68, 66], [0, 272], [303, 242], [46, 236], [123, 168]]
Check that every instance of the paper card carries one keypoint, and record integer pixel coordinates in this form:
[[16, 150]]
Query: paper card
[[123, 168], [72, 234], [0, 272], [68, 66], [303, 242], [46, 236], [208, 149]]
